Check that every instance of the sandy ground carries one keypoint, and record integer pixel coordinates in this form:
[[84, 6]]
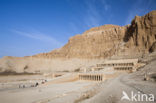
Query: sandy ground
[[57, 90], [55, 93], [13, 81], [75, 91]]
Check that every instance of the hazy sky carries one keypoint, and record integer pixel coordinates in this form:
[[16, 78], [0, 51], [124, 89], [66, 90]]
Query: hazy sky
[[28, 27]]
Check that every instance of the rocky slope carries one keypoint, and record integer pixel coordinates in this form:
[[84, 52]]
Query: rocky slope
[[92, 46]]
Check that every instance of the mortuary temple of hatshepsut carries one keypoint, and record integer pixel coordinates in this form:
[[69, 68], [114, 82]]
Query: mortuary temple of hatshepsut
[[125, 65], [101, 71], [110, 69]]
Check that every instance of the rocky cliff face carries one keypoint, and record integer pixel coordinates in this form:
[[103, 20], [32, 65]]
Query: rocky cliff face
[[98, 42], [141, 34], [95, 44], [108, 40]]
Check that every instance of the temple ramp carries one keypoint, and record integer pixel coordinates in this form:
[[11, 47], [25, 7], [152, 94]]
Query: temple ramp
[[69, 77]]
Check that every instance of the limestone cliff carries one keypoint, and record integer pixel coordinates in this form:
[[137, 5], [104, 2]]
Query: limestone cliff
[[108, 40], [98, 42], [91, 47], [141, 34]]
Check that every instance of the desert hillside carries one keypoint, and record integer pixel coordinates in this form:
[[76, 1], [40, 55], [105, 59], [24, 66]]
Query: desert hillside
[[108, 40], [91, 47]]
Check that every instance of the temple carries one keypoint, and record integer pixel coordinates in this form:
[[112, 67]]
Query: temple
[[109, 69]]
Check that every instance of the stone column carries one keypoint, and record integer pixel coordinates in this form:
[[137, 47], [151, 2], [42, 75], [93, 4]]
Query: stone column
[[89, 77], [79, 77], [93, 77], [96, 77], [85, 77]]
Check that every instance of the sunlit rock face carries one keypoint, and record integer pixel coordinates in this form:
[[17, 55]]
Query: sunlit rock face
[[98, 42], [92, 46], [108, 40]]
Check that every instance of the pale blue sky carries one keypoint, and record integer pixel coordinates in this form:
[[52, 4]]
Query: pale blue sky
[[28, 27]]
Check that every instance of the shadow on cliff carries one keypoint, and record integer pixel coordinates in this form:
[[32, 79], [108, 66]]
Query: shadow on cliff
[[129, 32]]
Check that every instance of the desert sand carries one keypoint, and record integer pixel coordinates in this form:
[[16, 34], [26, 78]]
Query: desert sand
[[108, 91]]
